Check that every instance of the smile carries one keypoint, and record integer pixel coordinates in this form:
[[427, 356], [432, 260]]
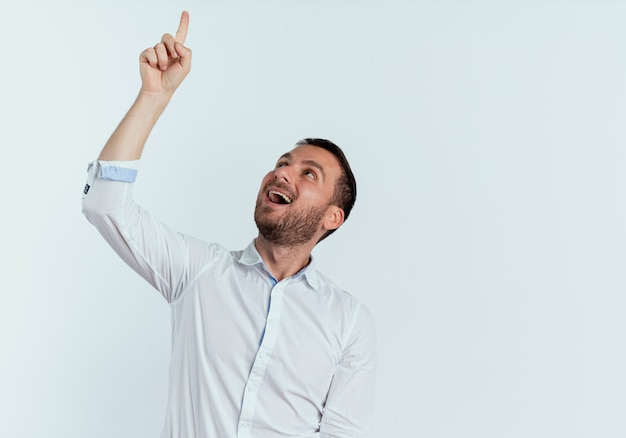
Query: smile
[[278, 197]]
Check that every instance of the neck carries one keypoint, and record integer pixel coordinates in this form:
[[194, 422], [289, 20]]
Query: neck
[[283, 261]]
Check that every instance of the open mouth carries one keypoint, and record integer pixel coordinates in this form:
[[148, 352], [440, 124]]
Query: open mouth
[[278, 198]]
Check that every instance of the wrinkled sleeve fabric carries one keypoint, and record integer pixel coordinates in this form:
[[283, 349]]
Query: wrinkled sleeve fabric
[[168, 260], [349, 408]]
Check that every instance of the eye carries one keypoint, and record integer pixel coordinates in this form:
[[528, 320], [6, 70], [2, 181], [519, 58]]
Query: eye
[[311, 174], [281, 164]]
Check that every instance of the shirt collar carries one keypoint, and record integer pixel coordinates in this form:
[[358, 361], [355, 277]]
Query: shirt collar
[[250, 256]]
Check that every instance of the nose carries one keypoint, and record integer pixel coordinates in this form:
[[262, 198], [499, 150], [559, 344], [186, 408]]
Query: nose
[[283, 173]]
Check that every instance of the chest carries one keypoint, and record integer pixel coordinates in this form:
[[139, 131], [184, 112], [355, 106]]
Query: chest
[[232, 319]]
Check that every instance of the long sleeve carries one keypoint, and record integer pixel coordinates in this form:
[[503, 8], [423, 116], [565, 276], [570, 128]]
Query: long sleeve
[[167, 259], [350, 403]]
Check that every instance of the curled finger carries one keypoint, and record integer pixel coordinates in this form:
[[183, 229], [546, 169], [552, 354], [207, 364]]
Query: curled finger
[[162, 56], [170, 45], [149, 56]]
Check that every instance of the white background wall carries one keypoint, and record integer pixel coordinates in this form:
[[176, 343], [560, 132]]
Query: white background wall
[[488, 238]]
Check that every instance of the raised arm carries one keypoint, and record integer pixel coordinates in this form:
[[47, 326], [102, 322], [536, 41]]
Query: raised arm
[[163, 68], [164, 257]]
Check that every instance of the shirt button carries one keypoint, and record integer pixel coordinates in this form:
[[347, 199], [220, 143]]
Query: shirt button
[[252, 388], [271, 321], [244, 424]]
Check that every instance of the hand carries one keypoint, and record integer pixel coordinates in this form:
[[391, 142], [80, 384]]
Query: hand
[[164, 66]]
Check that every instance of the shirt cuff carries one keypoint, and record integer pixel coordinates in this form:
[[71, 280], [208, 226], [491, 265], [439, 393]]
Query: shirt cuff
[[124, 171]]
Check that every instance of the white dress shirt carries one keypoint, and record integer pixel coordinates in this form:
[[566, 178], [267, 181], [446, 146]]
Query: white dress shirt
[[251, 357]]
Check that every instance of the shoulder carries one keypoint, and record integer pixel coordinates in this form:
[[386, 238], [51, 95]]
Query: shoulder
[[341, 299], [328, 287]]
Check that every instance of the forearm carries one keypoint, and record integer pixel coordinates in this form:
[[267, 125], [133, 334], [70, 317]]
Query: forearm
[[350, 402], [128, 140], [162, 68], [156, 252]]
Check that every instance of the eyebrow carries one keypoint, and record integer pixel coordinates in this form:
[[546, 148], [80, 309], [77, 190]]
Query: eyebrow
[[286, 155], [315, 164], [311, 163]]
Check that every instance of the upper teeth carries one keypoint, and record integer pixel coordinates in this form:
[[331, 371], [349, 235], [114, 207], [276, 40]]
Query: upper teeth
[[282, 195]]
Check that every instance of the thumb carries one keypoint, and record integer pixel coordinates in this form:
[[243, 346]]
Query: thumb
[[184, 54]]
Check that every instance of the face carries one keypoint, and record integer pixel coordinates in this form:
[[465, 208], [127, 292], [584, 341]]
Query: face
[[293, 205]]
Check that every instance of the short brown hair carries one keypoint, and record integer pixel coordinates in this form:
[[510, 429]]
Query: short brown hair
[[345, 188]]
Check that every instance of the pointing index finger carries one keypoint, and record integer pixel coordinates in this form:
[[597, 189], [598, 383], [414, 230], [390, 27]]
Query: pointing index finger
[[181, 33]]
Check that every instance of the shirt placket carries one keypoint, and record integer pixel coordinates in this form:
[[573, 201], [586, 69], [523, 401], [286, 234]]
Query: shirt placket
[[259, 367]]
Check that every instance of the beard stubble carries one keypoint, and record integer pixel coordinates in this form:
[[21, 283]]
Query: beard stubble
[[293, 228]]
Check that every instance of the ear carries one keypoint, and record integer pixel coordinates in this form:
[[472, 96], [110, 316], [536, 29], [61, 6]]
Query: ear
[[334, 218]]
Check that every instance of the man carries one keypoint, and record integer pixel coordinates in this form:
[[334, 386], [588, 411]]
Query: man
[[263, 345]]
